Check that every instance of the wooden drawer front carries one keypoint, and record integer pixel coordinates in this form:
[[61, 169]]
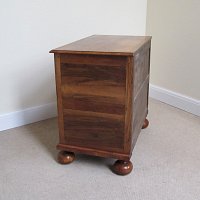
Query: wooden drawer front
[[141, 68], [93, 130], [93, 88]]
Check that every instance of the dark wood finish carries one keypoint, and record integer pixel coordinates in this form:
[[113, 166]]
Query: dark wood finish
[[122, 167], [93, 129], [93, 88], [145, 124], [65, 157], [102, 90], [94, 152]]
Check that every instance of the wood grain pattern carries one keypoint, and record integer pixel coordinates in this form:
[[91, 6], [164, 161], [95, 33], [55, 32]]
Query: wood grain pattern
[[105, 45], [141, 64], [93, 88], [105, 60], [141, 68], [93, 101], [95, 130], [93, 75], [102, 89], [139, 110]]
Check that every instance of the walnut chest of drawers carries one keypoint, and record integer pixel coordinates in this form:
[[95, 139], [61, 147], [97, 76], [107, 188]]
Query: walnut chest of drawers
[[102, 86]]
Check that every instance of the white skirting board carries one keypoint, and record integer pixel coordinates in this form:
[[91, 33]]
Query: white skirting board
[[38, 113], [175, 99], [27, 116]]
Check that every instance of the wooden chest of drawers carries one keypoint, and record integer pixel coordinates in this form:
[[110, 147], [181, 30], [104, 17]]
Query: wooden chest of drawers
[[102, 93]]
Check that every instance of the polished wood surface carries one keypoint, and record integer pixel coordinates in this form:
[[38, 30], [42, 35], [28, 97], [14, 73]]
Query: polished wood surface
[[122, 167], [102, 90], [93, 88], [95, 130], [105, 44], [65, 157], [93, 101]]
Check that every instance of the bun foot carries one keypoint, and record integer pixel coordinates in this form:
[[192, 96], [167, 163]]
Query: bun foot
[[65, 157], [145, 124], [122, 167]]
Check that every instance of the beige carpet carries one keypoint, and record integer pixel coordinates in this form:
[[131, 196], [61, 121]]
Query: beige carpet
[[166, 163]]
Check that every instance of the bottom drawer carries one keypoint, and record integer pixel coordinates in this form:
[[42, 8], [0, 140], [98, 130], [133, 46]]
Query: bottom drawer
[[94, 130]]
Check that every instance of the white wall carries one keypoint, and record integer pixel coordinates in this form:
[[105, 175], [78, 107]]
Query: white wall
[[29, 29], [175, 58]]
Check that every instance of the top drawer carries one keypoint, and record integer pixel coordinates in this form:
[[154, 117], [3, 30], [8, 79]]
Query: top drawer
[[93, 83]]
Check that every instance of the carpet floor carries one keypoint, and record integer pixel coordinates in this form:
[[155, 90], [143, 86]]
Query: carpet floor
[[166, 163]]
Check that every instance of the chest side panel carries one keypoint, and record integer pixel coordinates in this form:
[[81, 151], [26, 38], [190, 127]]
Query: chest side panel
[[141, 64], [93, 101]]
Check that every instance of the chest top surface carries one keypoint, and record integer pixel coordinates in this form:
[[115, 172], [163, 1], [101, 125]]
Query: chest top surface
[[105, 45]]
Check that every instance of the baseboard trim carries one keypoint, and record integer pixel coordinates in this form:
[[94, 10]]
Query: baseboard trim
[[27, 116], [175, 99]]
